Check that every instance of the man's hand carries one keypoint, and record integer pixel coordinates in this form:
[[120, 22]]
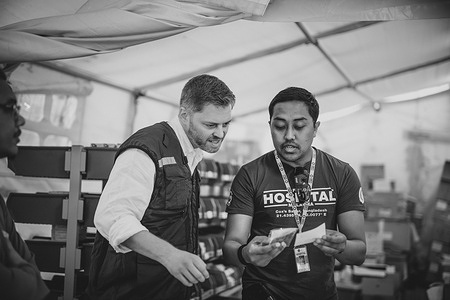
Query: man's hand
[[186, 267], [332, 243], [260, 252]]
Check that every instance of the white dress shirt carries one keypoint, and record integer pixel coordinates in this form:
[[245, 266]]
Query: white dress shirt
[[127, 193]]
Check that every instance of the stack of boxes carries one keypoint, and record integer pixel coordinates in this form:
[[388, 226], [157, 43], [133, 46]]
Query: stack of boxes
[[214, 191], [222, 278], [389, 205], [390, 236], [439, 252]]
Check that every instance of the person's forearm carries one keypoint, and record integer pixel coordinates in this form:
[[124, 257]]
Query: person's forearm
[[149, 245], [230, 249], [353, 254]]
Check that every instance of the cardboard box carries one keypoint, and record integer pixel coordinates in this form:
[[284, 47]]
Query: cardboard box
[[391, 205], [444, 191], [440, 247], [397, 235], [348, 294], [442, 211], [386, 286]]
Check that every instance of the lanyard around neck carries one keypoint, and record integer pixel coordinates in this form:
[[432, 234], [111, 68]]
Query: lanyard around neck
[[300, 223]]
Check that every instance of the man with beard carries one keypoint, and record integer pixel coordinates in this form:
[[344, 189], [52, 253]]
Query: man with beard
[[147, 217], [20, 278], [295, 186]]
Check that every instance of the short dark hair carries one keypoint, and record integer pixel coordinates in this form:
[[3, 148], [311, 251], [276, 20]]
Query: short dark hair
[[296, 94], [206, 89]]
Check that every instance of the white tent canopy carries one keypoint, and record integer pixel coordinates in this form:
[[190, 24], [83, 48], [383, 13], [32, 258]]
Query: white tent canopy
[[51, 29], [132, 58]]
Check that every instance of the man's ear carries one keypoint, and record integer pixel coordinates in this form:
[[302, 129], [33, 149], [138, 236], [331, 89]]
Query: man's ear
[[316, 127], [183, 114]]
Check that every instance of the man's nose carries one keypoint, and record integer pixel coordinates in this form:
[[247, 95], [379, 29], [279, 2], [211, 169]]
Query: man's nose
[[289, 133], [220, 131]]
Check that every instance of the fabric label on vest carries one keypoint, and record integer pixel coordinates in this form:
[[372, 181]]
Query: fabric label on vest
[[167, 161]]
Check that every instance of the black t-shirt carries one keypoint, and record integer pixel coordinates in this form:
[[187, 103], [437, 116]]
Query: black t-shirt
[[258, 190]]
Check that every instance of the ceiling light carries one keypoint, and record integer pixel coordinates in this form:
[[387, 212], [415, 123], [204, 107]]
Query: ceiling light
[[332, 115], [418, 94]]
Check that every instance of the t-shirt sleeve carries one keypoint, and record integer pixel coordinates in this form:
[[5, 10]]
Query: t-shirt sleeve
[[350, 193], [240, 200]]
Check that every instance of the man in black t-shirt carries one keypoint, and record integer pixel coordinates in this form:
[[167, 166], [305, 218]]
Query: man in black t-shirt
[[294, 186]]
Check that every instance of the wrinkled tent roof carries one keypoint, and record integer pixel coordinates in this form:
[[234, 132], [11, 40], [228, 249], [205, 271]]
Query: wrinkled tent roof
[[348, 64], [358, 63], [353, 55]]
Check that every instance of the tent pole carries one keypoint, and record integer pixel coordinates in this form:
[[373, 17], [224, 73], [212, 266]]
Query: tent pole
[[388, 75], [91, 77], [255, 55]]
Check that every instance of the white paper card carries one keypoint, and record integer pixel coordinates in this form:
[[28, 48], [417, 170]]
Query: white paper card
[[282, 235], [309, 236]]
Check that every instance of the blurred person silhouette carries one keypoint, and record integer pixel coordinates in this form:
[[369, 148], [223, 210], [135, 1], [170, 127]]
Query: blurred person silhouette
[[20, 278]]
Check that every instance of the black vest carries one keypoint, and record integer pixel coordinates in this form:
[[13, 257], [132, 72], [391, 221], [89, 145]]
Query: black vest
[[171, 215]]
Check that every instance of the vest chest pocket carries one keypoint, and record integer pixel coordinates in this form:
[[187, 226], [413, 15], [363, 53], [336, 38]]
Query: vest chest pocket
[[178, 186]]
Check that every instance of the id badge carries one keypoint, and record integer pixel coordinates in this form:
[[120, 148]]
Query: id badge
[[301, 259]]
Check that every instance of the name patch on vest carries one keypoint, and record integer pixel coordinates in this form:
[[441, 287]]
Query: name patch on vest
[[167, 161]]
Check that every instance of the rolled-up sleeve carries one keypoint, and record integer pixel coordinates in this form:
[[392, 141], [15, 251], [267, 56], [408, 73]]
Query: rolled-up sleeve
[[125, 198]]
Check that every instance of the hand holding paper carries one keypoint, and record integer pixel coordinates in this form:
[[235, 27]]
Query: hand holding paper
[[282, 235], [332, 243], [310, 236]]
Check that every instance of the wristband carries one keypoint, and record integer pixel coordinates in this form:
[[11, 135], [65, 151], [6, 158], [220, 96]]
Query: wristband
[[240, 257]]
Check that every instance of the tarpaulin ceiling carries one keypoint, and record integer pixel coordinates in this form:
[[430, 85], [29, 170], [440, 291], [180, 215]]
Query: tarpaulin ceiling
[[51, 29], [343, 63], [280, 46], [371, 50]]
